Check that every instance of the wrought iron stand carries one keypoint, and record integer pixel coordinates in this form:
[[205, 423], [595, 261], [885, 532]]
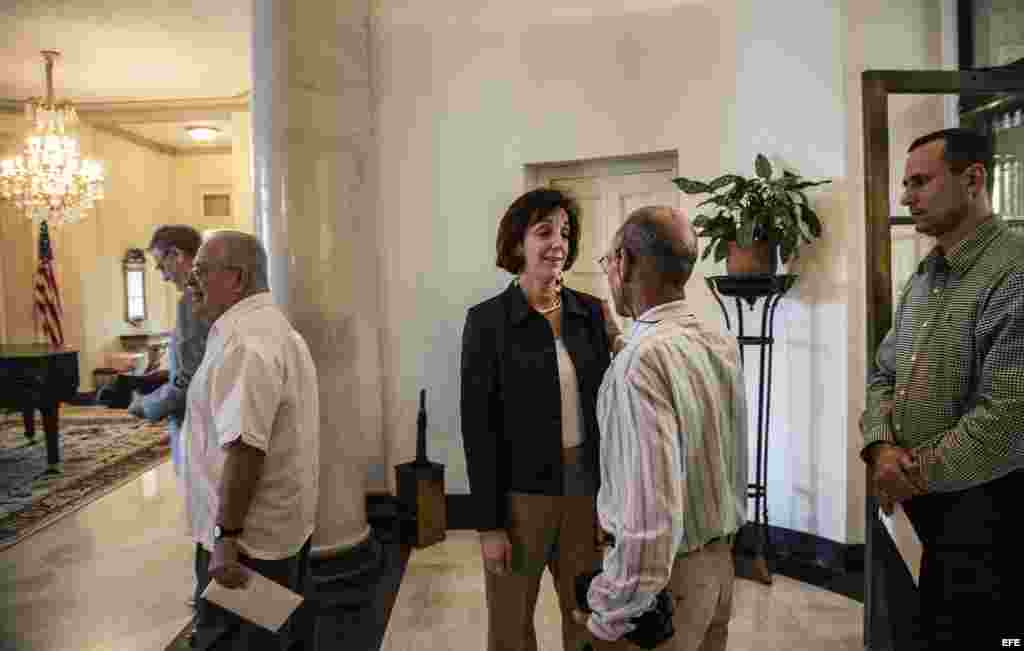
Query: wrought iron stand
[[751, 289]]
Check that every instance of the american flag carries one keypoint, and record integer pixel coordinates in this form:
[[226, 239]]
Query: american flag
[[48, 312]]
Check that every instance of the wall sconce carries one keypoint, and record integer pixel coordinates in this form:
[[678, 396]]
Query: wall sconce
[[135, 286]]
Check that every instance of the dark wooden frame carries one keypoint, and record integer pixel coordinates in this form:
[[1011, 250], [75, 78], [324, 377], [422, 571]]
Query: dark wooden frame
[[135, 262], [877, 85]]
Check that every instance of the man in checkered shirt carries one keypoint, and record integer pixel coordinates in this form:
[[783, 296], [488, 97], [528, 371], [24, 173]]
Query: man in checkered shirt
[[945, 406]]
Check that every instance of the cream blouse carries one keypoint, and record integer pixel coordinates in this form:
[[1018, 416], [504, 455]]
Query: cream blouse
[[571, 417]]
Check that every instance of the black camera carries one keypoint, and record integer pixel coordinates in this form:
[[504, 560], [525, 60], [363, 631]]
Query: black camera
[[652, 628]]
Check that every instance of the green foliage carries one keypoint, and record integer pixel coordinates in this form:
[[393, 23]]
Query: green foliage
[[746, 210]]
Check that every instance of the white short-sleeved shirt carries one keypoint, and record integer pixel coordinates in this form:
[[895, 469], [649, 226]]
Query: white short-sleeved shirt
[[257, 383]]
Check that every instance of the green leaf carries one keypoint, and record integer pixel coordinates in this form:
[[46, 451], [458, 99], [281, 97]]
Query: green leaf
[[725, 180], [763, 167], [812, 220], [721, 250], [717, 199], [700, 221], [784, 251], [690, 186], [807, 184], [805, 232], [745, 236]]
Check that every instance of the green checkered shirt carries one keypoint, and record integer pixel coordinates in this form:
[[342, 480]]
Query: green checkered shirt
[[949, 377]]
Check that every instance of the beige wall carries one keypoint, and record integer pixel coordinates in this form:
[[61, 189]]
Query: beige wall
[[467, 98], [144, 188], [88, 254], [883, 36], [196, 173]]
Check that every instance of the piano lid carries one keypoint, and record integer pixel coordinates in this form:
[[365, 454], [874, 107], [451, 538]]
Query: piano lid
[[8, 351]]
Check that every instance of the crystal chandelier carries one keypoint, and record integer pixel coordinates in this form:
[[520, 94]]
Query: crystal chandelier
[[49, 180]]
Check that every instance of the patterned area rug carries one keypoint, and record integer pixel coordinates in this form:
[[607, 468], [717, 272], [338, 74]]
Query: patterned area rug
[[101, 449]]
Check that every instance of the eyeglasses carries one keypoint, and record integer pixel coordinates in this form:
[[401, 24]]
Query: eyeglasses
[[606, 259], [160, 259]]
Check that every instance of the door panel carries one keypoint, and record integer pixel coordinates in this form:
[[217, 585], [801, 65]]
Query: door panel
[[608, 191]]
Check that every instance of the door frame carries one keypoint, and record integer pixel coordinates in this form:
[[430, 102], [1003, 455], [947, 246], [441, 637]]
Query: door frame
[[877, 85]]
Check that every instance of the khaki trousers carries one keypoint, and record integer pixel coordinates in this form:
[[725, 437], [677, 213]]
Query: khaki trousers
[[557, 532], [702, 584]]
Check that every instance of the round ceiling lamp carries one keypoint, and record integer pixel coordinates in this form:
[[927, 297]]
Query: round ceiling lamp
[[202, 133]]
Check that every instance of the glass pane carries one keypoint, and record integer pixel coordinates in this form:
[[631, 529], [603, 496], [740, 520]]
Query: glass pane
[[1003, 116], [136, 295], [998, 32], [908, 248]]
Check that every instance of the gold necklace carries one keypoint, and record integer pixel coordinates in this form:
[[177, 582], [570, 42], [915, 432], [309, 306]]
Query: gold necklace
[[554, 306]]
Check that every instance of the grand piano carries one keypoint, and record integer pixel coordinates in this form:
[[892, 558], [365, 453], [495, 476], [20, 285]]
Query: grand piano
[[38, 376]]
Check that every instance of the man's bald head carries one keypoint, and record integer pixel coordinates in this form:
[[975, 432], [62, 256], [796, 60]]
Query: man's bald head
[[663, 240]]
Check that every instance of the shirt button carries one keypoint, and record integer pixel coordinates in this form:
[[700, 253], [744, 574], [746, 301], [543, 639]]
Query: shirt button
[[902, 393], [936, 290], [897, 427], [913, 358], [925, 325]]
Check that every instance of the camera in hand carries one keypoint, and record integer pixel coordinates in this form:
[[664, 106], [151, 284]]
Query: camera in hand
[[652, 627]]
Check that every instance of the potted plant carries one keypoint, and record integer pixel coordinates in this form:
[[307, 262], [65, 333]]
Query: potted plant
[[749, 219]]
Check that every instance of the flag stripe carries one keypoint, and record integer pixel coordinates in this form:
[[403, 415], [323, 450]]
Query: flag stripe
[[47, 308]]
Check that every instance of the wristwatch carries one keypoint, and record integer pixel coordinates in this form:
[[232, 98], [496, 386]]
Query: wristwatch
[[220, 532]]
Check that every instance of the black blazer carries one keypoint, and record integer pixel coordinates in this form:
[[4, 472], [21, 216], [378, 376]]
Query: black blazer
[[511, 402]]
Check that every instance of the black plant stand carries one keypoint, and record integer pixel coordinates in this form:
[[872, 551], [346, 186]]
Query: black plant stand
[[753, 288]]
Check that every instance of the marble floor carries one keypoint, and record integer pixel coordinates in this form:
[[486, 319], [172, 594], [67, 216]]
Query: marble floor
[[112, 576], [440, 605], [115, 576]]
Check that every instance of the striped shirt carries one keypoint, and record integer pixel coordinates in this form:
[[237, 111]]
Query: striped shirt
[[673, 418], [949, 377]]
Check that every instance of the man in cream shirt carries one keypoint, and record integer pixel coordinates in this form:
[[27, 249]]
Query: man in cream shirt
[[251, 433]]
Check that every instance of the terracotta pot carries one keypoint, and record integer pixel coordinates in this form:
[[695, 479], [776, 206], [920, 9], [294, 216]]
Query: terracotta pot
[[760, 258]]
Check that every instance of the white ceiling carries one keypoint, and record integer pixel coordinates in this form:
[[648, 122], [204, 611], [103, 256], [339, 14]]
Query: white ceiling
[[114, 50]]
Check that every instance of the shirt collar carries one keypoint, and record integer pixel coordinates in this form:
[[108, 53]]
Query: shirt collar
[[239, 310], [671, 310], [967, 251]]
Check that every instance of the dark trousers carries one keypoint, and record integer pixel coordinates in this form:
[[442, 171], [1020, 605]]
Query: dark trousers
[[118, 394], [218, 629], [970, 581]]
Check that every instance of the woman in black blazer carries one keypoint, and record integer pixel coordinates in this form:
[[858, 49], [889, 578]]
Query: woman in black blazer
[[532, 361]]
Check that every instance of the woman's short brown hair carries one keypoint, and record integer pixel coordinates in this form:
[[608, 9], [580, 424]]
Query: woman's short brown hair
[[526, 211]]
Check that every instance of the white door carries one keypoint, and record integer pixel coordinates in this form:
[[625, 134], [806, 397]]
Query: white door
[[608, 191]]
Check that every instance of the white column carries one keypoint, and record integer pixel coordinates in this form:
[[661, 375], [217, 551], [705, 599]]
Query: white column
[[241, 170], [312, 124]]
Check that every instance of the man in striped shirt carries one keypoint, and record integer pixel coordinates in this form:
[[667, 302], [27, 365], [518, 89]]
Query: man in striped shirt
[[944, 418], [673, 421]]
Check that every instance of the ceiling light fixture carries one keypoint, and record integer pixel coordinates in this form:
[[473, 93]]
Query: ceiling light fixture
[[49, 181], [202, 133]]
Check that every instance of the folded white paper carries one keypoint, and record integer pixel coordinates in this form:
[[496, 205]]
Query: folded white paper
[[261, 601]]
